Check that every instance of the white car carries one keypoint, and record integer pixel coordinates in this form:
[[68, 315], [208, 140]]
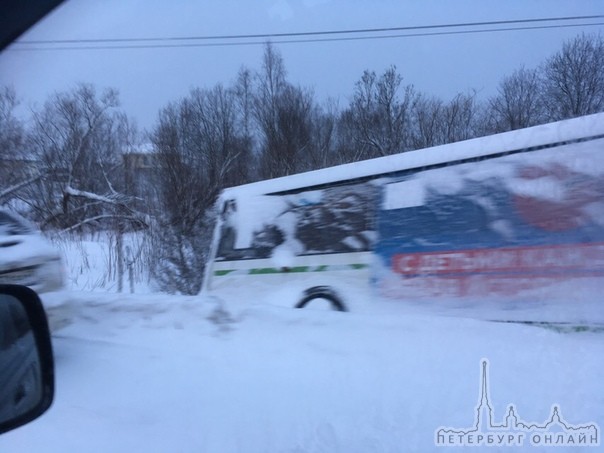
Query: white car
[[26, 257]]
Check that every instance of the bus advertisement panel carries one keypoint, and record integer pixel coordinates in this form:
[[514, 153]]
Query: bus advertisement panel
[[497, 227]]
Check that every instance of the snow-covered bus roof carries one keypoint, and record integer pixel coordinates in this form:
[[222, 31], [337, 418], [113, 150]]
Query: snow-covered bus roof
[[586, 127]]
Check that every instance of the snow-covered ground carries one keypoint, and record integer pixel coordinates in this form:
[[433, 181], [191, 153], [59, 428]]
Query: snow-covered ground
[[247, 373], [159, 373], [90, 262], [156, 373]]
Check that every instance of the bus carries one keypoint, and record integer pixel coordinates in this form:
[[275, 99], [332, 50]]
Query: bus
[[500, 215]]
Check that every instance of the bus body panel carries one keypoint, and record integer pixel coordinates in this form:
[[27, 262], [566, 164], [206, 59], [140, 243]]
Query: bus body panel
[[497, 227], [498, 215]]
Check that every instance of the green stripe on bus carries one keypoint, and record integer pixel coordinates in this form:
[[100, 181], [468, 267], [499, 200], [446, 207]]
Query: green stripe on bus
[[221, 273], [264, 270], [298, 269], [275, 270]]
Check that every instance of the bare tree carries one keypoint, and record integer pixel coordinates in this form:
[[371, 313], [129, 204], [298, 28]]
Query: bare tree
[[322, 151], [76, 139], [436, 122], [574, 79], [270, 85], [245, 98], [459, 118], [518, 103], [11, 128], [13, 169], [294, 132], [379, 117], [244, 95], [76, 144], [427, 119], [290, 143], [199, 150]]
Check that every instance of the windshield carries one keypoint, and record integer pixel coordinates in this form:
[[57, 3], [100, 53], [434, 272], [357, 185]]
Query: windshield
[[312, 225]]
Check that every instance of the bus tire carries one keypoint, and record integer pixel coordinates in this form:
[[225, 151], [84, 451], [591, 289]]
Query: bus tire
[[322, 292]]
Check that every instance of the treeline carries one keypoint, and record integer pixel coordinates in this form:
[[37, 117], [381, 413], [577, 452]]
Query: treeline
[[80, 164]]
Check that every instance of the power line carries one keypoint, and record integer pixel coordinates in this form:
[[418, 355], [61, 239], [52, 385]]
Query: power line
[[295, 41], [313, 33]]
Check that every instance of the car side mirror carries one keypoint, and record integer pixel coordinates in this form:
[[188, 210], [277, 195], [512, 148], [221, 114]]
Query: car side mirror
[[26, 359]]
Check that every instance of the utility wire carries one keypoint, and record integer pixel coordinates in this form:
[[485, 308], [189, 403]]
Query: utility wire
[[291, 41], [313, 33]]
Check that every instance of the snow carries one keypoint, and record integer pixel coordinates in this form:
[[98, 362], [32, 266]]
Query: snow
[[242, 371], [247, 373], [284, 255], [152, 373], [532, 137], [90, 262], [414, 192], [552, 167]]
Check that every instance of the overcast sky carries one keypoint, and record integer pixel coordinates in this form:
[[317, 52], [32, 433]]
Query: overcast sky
[[149, 78]]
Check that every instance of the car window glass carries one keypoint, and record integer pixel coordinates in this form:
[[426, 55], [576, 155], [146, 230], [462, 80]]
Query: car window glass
[[10, 226]]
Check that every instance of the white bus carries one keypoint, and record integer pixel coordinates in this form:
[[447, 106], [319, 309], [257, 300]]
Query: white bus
[[359, 222]]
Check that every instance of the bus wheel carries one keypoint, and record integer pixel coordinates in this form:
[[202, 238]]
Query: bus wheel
[[322, 292]]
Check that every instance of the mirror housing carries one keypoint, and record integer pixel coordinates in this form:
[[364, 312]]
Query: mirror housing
[[26, 358]]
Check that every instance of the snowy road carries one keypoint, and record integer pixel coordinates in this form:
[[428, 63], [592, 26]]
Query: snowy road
[[153, 373]]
